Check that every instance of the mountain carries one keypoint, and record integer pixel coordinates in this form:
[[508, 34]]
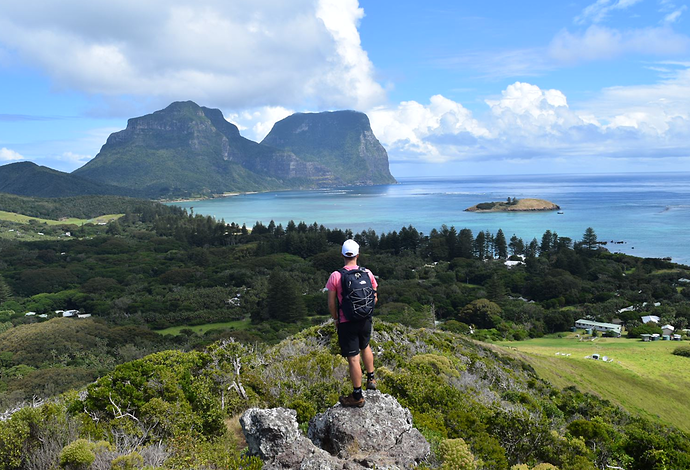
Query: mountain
[[186, 149], [342, 141], [29, 179]]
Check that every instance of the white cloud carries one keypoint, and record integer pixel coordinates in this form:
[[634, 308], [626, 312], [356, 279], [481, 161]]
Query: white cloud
[[598, 42], [255, 124], [8, 155], [674, 15], [599, 10], [74, 159], [411, 128], [527, 123], [236, 54]]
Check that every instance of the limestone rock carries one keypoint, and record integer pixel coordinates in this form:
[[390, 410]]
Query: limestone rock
[[269, 432], [379, 435]]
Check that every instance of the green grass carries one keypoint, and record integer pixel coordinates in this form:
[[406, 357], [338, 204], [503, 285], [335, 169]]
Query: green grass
[[201, 329], [644, 378], [24, 219]]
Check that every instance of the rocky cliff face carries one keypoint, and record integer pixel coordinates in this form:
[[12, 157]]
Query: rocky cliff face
[[379, 435], [342, 141], [186, 149]]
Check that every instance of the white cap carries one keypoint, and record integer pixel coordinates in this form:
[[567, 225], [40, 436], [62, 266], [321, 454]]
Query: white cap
[[350, 249]]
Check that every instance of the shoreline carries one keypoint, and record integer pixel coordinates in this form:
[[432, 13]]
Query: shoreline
[[204, 198]]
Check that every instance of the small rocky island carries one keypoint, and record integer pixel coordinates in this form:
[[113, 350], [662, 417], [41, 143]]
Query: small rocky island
[[515, 205]]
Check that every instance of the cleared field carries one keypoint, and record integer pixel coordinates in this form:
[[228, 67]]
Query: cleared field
[[201, 329], [644, 378], [24, 219]]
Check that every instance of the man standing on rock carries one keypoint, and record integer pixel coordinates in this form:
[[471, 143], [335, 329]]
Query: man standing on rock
[[351, 299]]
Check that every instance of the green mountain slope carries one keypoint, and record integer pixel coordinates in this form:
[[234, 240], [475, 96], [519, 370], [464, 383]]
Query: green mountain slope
[[341, 140], [454, 387], [29, 179]]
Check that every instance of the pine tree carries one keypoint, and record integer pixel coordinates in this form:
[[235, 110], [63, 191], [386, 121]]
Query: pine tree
[[545, 246], [589, 239], [284, 301], [5, 292], [501, 246], [465, 241], [516, 245], [480, 245]]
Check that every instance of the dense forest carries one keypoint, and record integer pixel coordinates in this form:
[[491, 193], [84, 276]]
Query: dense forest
[[158, 266]]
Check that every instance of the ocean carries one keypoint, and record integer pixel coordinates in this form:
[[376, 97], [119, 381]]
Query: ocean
[[648, 214]]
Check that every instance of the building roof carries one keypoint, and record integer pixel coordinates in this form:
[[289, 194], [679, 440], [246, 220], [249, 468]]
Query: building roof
[[599, 324], [668, 327], [650, 318]]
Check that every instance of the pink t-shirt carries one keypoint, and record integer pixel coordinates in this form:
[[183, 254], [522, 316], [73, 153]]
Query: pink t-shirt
[[334, 284]]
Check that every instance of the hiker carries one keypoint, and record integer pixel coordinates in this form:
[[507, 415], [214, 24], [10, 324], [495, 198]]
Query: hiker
[[351, 299]]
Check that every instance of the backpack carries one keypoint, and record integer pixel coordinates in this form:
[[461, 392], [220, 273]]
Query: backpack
[[358, 294]]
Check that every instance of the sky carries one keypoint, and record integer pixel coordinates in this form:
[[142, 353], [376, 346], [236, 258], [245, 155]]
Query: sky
[[450, 87]]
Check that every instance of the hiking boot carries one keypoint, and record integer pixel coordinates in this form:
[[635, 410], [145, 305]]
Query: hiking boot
[[350, 401], [371, 384]]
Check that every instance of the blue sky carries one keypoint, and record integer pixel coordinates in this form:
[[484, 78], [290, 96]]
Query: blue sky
[[451, 88]]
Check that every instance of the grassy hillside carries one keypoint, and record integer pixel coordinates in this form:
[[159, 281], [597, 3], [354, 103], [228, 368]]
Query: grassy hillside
[[644, 378], [25, 219]]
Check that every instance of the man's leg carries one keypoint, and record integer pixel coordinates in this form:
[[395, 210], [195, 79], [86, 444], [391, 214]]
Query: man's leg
[[368, 359], [356, 370]]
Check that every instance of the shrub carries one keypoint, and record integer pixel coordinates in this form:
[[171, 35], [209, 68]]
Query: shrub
[[682, 351], [128, 462], [77, 455], [456, 455]]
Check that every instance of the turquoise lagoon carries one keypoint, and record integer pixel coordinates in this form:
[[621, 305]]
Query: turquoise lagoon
[[649, 213]]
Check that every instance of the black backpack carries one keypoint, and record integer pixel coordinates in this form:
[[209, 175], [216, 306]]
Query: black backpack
[[358, 294]]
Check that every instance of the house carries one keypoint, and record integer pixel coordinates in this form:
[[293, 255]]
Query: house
[[29, 314], [70, 313], [646, 337], [84, 315], [594, 325], [677, 338], [43, 315], [667, 330], [650, 318]]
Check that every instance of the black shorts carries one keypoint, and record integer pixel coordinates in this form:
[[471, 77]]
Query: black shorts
[[354, 336]]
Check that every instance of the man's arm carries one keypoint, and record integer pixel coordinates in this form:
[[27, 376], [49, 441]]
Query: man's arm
[[333, 304]]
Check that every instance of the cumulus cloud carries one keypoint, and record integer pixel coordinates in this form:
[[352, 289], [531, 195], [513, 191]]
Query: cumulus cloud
[[255, 124], [526, 122], [599, 42], [239, 54], [411, 128], [8, 155]]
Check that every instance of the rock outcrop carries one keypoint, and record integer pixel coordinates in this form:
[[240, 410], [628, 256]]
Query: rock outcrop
[[379, 435]]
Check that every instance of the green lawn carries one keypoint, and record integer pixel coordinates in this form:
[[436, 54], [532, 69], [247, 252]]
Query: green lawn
[[644, 378], [24, 219], [201, 329]]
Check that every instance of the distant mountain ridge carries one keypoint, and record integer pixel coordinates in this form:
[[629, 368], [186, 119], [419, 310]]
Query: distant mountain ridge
[[189, 150], [29, 179]]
